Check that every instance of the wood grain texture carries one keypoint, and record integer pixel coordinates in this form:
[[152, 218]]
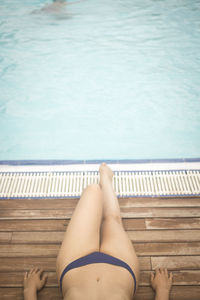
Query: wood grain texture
[[123, 202], [55, 237], [34, 225], [165, 232], [170, 223], [126, 212], [5, 237], [57, 225], [176, 262], [159, 249]]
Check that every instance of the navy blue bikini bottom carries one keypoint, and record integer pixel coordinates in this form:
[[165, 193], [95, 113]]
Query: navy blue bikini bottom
[[93, 258]]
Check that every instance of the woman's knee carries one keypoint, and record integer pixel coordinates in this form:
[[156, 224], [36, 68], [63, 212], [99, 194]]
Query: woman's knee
[[112, 218], [93, 187]]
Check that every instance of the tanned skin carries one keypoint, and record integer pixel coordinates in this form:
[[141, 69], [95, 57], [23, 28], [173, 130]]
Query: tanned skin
[[35, 280], [161, 283]]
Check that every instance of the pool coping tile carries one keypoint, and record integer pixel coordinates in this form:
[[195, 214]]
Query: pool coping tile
[[99, 161]]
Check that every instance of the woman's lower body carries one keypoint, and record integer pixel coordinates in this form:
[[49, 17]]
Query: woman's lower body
[[96, 226]]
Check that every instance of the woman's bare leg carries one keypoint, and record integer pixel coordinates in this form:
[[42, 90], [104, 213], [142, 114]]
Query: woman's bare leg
[[114, 239], [110, 201], [82, 235]]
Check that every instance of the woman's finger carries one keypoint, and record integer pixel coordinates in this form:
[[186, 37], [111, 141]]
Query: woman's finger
[[157, 271], [166, 272], [170, 276], [40, 272], [44, 278]]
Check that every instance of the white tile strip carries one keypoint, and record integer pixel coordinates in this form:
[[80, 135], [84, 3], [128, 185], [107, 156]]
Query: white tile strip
[[125, 183], [95, 167]]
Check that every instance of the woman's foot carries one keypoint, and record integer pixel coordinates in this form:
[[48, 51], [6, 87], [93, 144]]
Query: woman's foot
[[106, 174]]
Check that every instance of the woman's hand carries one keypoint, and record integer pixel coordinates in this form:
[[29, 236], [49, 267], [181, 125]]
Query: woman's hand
[[32, 279], [161, 281]]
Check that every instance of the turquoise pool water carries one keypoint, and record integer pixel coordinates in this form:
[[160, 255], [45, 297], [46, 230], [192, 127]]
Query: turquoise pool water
[[117, 79]]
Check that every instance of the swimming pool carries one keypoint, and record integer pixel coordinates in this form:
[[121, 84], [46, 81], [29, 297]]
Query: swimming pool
[[100, 80]]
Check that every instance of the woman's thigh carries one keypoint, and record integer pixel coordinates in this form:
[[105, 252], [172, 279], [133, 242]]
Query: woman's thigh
[[83, 232], [115, 241]]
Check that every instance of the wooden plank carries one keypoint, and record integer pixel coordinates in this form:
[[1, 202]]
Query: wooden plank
[[123, 202], [57, 225], [38, 203], [143, 293], [133, 224], [156, 249], [126, 212], [52, 237], [11, 293], [23, 264], [145, 263], [5, 237], [14, 263], [165, 236], [177, 249], [177, 293], [44, 250], [176, 262], [7, 214], [15, 279], [34, 225], [135, 236], [172, 212], [17, 294], [129, 224], [186, 277], [189, 277], [170, 223], [142, 249], [160, 202]]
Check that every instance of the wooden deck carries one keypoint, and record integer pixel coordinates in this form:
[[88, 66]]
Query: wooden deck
[[164, 231]]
